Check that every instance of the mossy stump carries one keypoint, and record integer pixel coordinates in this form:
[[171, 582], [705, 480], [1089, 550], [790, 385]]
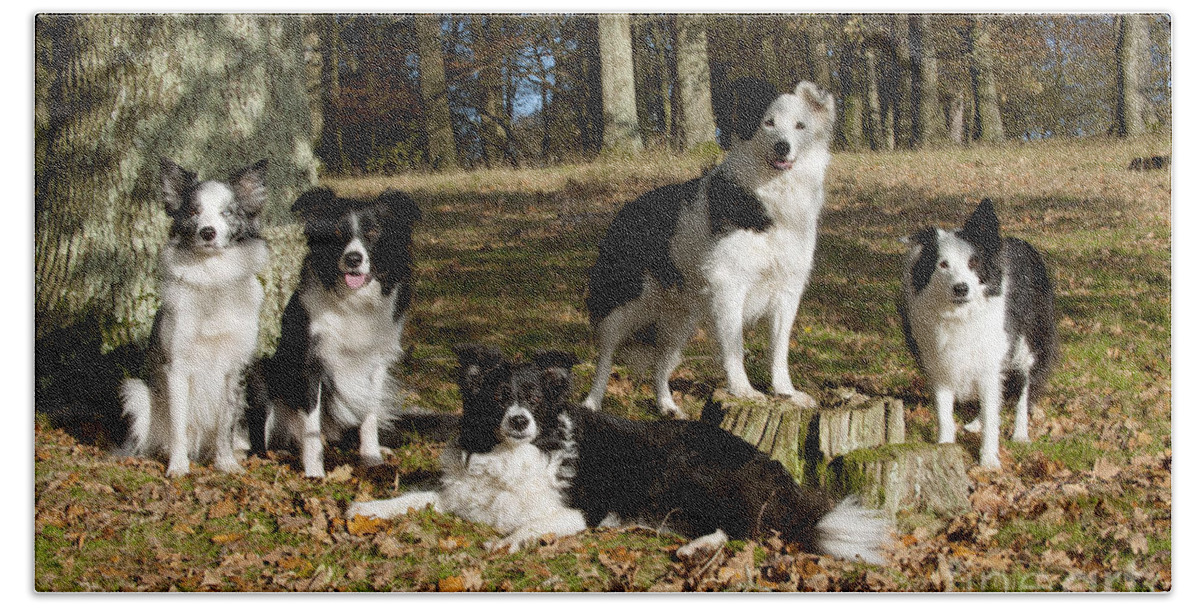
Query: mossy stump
[[852, 443]]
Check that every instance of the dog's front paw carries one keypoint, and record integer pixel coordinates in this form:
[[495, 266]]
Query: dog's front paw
[[802, 399], [177, 469], [747, 392], [229, 466], [990, 462], [371, 460]]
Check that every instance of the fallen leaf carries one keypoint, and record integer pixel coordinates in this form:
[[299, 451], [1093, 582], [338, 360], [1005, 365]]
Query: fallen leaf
[[340, 474], [224, 539], [222, 509], [365, 526], [452, 584]]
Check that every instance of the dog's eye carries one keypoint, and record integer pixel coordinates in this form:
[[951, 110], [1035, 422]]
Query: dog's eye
[[944, 264], [770, 122], [193, 211], [973, 263], [800, 126], [226, 213]]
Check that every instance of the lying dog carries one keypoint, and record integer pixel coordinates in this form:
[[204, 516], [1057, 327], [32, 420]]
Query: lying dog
[[529, 463]]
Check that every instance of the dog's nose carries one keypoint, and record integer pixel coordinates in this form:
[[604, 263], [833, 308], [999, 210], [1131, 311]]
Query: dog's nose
[[208, 233], [782, 148], [353, 259], [961, 290], [518, 422]]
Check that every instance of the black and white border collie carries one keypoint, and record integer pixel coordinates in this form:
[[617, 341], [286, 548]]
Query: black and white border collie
[[342, 328], [206, 330], [978, 313], [733, 247], [528, 463]]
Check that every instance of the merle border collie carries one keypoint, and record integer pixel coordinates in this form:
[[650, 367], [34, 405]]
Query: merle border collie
[[732, 247], [342, 328], [978, 315], [206, 330], [529, 463]]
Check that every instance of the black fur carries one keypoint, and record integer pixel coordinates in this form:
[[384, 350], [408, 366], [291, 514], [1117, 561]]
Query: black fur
[[688, 476], [731, 207], [385, 226], [739, 107], [295, 374], [637, 242], [178, 193], [1029, 293]]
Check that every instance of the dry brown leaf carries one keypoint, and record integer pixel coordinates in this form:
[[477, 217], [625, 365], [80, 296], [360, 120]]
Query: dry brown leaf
[[365, 526], [222, 509], [452, 584]]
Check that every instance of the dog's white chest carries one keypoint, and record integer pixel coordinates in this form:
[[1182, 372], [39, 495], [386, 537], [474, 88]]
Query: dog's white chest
[[958, 351], [505, 488]]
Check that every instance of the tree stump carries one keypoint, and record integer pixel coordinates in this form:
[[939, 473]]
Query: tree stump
[[851, 444]]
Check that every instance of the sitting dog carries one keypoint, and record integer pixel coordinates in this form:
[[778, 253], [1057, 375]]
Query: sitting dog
[[529, 463], [978, 315], [342, 328], [733, 246], [206, 330]]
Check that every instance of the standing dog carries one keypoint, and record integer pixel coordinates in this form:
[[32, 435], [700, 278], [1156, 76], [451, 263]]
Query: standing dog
[[978, 313], [529, 463], [206, 330], [342, 327], [733, 246]]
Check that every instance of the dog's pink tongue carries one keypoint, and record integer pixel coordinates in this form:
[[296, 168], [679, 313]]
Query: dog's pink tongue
[[354, 280]]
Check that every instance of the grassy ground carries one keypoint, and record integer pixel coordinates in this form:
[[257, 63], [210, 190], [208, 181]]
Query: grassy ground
[[501, 258]]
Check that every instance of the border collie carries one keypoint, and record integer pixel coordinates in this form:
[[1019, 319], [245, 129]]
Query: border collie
[[528, 463], [978, 313], [206, 330], [342, 328], [733, 246]]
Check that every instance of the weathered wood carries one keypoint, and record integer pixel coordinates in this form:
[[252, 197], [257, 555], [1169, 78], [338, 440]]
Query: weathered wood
[[852, 444], [913, 476]]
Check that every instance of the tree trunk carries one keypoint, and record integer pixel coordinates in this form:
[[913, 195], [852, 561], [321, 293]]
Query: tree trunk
[[904, 101], [116, 93], [330, 148], [696, 124], [616, 81], [874, 107], [435, 103], [493, 128], [955, 114], [853, 89], [929, 120], [818, 58], [1133, 46], [988, 125]]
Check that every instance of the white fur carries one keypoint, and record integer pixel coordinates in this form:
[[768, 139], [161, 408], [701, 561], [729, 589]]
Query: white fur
[[357, 341], [963, 346], [738, 278], [851, 531], [516, 488], [207, 330]]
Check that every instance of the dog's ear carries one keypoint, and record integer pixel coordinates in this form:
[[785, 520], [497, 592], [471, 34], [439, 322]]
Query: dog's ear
[[177, 182], [250, 186], [819, 102], [474, 362], [400, 206], [924, 238], [750, 100], [556, 373], [312, 202], [982, 229]]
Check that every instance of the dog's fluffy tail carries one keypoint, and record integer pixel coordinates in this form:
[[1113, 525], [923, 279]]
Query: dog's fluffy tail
[[852, 531], [135, 402]]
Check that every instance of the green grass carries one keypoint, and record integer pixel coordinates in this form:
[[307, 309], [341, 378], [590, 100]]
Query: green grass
[[501, 257]]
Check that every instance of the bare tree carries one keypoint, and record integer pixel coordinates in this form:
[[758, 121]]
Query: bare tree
[[1133, 43], [696, 124], [988, 126], [616, 81], [435, 102]]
